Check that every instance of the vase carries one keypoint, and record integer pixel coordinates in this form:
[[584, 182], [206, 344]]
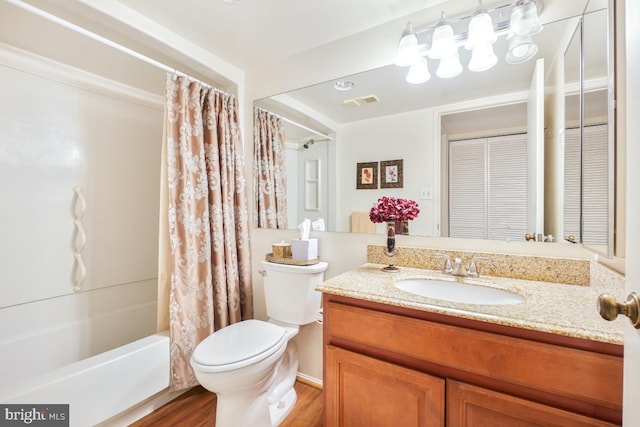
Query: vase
[[391, 243]]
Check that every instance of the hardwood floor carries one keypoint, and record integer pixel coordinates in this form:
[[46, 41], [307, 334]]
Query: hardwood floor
[[197, 408]]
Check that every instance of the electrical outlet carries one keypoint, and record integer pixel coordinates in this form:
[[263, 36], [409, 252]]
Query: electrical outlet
[[426, 193]]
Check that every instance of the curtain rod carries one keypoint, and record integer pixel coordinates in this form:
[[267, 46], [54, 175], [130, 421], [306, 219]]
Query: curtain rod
[[108, 42], [295, 123]]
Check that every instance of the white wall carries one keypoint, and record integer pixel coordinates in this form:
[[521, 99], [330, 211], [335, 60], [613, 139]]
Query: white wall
[[382, 139], [59, 128]]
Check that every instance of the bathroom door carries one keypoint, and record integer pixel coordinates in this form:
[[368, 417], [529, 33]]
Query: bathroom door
[[631, 409]]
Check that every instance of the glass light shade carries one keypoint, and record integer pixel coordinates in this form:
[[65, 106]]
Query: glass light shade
[[521, 49], [443, 44], [482, 57], [480, 31], [524, 18], [419, 73], [449, 67], [407, 48]]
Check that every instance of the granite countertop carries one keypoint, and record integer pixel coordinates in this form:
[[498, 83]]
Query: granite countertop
[[561, 309]]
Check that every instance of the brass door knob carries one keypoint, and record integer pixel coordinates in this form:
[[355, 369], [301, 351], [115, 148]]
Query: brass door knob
[[609, 308]]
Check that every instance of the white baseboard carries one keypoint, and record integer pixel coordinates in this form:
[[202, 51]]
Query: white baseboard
[[309, 380]]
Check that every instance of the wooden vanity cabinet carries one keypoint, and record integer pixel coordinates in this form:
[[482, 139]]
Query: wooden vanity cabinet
[[394, 366]]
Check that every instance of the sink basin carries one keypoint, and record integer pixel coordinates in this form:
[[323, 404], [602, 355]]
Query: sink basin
[[458, 292]]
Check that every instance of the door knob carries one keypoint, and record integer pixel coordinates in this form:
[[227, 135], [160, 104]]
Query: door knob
[[609, 308]]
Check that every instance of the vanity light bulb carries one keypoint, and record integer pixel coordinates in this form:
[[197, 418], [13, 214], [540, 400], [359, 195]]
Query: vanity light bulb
[[521, 49], [480, 31], [419, 73], [449, 67], [443, 44], [407, 48], [524, 18], [482, 58]]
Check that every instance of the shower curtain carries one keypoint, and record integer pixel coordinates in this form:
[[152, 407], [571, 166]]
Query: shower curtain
[[205, 223], [269, 170]]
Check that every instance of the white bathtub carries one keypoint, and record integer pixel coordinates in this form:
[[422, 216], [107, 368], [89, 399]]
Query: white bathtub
[[101, 388]]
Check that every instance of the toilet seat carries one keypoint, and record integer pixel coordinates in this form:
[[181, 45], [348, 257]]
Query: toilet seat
[[239, 345]]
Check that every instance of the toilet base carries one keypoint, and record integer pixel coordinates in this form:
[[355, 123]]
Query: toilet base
[[279, 410]]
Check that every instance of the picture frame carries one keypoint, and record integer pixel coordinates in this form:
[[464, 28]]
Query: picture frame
[[367, 176], [391, 174]]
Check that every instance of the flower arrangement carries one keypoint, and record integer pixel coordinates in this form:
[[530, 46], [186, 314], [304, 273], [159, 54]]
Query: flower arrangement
[[402, 209]]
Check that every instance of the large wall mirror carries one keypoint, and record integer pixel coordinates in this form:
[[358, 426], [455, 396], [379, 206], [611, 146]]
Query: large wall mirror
[[424, 131]]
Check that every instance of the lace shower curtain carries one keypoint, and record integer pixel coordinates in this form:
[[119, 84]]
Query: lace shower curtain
[[207, 219], [269, 170]]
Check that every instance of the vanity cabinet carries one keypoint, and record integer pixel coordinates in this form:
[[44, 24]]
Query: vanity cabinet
[[390, 366]]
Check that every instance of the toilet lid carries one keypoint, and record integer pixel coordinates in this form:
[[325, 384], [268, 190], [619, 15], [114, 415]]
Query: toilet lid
[[239, 345]]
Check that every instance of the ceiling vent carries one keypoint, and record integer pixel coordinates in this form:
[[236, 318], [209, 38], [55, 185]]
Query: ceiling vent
[[356, 102]]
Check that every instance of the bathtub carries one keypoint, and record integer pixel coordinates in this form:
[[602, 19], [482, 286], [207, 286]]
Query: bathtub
[[110, 389]]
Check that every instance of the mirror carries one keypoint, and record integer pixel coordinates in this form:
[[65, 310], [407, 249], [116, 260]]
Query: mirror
[[386, 119]]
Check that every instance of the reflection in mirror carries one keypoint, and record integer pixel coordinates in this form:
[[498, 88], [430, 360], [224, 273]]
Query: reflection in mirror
[[383, 118], [586, 138], [572, 211]]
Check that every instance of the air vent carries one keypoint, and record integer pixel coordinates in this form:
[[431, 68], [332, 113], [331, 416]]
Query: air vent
[[369, 99], [356, 102], [350, 103]]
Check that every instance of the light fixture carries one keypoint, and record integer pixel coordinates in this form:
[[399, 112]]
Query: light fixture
[[344, 85], [482, 57], [419, 72], [521, 49], [449, 67], [407, 48], [477, 32], [443, 44], [524, 18], [480, 29]]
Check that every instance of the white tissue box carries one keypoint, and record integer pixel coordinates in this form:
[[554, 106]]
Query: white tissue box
[[304, 250]]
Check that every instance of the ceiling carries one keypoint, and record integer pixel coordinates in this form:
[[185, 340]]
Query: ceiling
[[249, 32]]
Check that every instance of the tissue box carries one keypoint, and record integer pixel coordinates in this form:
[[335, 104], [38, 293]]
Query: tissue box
[[304, 250]]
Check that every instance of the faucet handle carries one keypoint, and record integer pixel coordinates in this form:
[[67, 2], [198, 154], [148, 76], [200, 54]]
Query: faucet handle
[[473, 270], [446, 268]]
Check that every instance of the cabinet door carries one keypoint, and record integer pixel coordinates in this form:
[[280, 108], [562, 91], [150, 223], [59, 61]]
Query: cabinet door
[[472, 406], [367, 392]]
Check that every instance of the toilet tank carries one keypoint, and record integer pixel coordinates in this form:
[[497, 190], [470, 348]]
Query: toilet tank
[[289, 291]]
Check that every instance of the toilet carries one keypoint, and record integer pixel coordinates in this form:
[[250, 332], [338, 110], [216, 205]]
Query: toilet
[[252, 365]]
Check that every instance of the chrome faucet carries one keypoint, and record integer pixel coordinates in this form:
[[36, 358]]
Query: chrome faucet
[[457, 267]]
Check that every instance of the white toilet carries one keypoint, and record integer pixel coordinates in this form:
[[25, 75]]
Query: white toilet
[[250, 365]]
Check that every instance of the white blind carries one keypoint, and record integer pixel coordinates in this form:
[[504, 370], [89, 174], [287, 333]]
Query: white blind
[[595, 207], [467, 188], [572, 183], [507, 187], [488, 188]]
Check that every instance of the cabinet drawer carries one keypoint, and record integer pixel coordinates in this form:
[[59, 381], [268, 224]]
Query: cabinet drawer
[[546, 368]]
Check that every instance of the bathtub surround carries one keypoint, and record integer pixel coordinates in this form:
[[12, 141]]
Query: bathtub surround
[[80, 131], [210, 284]]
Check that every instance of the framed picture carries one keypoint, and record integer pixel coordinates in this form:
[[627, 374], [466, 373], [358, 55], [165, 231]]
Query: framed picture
[[391, 174], [367, 176]]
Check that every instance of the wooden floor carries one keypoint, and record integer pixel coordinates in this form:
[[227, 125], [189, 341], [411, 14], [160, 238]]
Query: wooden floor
[[197, 408]]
